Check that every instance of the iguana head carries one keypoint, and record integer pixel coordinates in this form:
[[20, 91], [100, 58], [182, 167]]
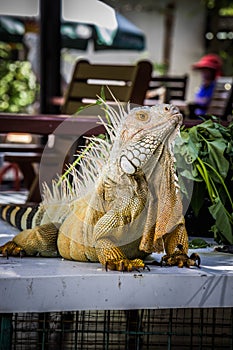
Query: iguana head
[[134, 136], [145, 131]]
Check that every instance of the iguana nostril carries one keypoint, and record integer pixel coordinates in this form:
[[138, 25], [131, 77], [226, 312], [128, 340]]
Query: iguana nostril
[[174, 110]]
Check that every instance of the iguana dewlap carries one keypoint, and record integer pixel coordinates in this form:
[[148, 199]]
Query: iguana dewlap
[[124, 204]]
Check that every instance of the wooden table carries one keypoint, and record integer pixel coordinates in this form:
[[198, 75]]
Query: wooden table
[[72, 285], [66, 128], [46, 124]]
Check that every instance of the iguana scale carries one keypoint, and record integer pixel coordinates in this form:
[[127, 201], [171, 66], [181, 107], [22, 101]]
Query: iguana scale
[[125, 201]]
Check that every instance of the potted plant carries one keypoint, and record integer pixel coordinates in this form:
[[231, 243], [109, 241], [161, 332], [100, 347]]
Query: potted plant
[[18, 86]]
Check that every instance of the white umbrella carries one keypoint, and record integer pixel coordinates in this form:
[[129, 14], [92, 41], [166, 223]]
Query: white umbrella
[[88, 11], [101, 15], [19, 7]]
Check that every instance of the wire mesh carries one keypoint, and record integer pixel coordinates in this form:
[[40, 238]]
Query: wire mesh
[[124, 330]]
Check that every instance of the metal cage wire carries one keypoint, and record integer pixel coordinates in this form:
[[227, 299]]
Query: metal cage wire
[[116, 330]]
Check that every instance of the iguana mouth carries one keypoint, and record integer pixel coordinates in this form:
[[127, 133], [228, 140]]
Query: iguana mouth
[[179, 118]]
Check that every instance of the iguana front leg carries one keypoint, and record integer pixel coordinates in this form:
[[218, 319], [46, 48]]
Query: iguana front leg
[[170, 222], [110, 229], [113, 258], [108, 251]]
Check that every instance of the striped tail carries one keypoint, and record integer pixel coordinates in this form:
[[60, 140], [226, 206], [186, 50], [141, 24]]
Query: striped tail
[[20, 216]]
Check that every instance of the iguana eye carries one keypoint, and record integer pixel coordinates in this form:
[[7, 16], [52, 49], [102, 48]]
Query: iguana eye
[[166, 108], [142, 116]]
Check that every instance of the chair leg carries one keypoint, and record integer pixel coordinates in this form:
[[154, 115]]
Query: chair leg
[[34, 195]]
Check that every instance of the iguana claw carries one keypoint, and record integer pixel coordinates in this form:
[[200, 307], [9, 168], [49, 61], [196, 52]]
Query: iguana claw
[[194, 257], [11, 249], [181, 259], [125, 265]]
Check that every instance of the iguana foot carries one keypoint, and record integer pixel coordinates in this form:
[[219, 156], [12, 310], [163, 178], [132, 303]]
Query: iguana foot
[[125, 265], [11, 249], [181, 259]]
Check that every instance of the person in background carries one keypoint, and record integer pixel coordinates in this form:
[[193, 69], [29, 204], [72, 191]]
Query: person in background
[[210, 67]]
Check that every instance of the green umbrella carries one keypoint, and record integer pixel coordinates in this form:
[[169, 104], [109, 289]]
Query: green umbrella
[[11, 30], [75, 35], [126, 36]]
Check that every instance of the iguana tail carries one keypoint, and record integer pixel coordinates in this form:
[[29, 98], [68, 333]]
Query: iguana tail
[[35, 238], [22, 216], [53, 209]]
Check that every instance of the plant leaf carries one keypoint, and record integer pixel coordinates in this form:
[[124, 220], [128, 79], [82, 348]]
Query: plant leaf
[[223, 222], [216, 149], [198, 243], [198, 197]]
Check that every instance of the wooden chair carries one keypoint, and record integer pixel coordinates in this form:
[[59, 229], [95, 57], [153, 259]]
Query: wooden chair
[[173, 87], [126, 82], [222, 99]]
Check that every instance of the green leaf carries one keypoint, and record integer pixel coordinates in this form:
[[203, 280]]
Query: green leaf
[[185, 147], [198, 197], [190, 174], [216, 149], [209, 128], [223, 222], [102, 93], [198, 243]]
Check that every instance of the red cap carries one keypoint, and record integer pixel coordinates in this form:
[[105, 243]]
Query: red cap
[[209, 61]]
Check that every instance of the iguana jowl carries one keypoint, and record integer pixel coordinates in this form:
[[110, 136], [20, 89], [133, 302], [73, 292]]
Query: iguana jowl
[[124, 204]]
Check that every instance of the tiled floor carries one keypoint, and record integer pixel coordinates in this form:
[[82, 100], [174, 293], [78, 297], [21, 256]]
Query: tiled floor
[[10, 196]]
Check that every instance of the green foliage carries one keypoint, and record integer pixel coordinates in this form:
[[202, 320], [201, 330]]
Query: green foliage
[[198, 243], [18, 86], [208, 147], [160, 68]]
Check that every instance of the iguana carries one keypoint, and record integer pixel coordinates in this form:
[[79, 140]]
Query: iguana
[[125, 201]]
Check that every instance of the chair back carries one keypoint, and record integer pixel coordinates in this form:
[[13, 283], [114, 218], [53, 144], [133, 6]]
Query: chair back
[[222, 99], [128, 83], [175, 88]]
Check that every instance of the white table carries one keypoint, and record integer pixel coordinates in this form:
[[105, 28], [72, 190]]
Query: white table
[[54, 284]]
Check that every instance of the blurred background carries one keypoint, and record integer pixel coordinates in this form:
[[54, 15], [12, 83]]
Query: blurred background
[[171, 34]]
